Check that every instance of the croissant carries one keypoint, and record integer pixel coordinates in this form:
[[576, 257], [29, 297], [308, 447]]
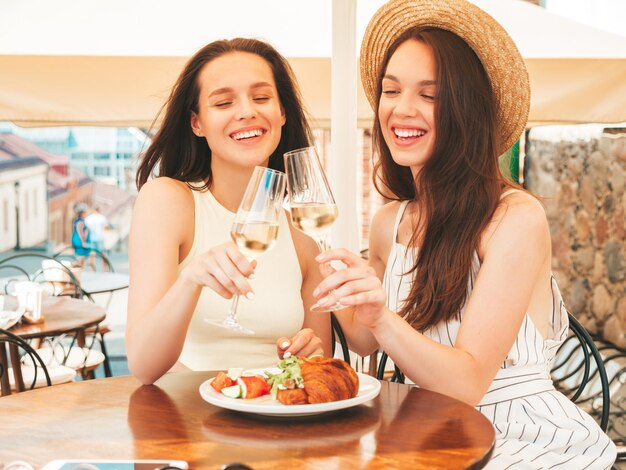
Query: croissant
[[325, 380]]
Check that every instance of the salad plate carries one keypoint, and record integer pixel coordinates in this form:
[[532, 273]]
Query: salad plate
[[369, 388]]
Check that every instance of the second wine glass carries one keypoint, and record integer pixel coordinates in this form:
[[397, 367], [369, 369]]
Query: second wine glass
[[255, 227], [311, 202]]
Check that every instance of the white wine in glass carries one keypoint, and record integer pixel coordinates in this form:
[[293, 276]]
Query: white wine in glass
[[255, 228], [314, 219], [254, 238], [311, 202]]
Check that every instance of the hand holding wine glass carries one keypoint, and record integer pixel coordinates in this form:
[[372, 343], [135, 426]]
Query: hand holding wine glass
[[311, 202], [255, 227]]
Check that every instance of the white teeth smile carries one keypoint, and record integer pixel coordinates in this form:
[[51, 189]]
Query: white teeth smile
[[408, 132], [247, 134]]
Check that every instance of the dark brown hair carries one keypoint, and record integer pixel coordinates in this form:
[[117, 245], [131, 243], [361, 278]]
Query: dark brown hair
[[177, 152], [457, 189]]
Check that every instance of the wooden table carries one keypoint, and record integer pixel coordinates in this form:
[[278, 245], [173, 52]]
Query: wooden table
[[61, 315], [117, 418]]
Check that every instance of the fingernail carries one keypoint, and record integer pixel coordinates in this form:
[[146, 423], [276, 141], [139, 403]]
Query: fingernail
[[251, 276], [285, 344], [319, 258], [287, 355], [322, 302], [250, 295], [316, 292]]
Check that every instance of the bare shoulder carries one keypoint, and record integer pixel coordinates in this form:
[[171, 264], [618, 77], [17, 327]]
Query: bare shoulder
[[167, 203], [521, 219], [381, 231], [164, 188]]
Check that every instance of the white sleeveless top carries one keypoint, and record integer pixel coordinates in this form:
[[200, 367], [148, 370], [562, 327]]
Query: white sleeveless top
[[536, 426], [276, 311]]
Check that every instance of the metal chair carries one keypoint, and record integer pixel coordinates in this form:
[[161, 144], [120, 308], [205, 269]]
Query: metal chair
[[13, 349], [339, 337], [98, 332], [578, 372], [59, 280], [67, 253]]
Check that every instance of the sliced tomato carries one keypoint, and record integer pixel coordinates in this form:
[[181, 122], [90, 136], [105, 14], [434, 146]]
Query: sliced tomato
[[222, 381], [256, 386]]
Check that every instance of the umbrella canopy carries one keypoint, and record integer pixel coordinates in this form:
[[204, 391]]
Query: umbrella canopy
[[76, 62]]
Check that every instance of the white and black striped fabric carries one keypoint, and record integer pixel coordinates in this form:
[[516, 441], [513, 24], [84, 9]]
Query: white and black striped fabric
[[536, 426]]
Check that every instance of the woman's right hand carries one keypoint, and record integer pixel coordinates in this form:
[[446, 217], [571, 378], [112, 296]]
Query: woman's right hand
[[224, 269], [357, 285]]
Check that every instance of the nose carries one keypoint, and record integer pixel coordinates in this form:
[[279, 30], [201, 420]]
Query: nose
[[406, 105], [246, 109]]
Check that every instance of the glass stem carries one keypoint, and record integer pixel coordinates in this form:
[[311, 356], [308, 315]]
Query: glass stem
[[322, 244], [233, 308]]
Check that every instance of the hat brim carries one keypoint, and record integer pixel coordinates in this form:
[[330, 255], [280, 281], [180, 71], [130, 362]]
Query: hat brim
[[492, 44]]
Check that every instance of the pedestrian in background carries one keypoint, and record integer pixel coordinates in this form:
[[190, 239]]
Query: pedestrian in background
[[80, 234], [97, 223]]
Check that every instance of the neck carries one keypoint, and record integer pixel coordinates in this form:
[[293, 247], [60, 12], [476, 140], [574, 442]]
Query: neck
[[228, 189]]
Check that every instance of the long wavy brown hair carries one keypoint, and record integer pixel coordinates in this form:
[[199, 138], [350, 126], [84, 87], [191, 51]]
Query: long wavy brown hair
[[458, 188], [175, 151]]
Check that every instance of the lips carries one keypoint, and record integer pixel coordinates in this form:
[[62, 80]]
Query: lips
[[247, 134]]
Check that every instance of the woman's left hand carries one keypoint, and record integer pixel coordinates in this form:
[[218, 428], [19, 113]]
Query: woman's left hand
[[304, 343]]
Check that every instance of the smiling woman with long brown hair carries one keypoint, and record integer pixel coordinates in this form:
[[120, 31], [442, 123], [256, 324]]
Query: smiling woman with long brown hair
[[235, 106], [459, 290]]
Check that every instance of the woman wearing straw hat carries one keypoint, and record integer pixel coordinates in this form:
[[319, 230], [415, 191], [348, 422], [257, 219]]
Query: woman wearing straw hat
[[459, 290]]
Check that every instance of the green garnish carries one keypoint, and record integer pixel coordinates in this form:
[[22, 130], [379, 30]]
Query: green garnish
[[290, 369]]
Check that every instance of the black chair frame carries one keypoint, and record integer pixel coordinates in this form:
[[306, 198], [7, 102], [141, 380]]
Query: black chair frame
[[7, 339], [589, 350]]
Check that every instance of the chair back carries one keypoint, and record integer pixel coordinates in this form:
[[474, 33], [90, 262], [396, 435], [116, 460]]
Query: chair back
[[56, 277], [102, 260], [13, 351], [579, 372], [339, 337]]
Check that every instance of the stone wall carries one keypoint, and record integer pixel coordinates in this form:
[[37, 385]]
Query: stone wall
[[583, 186]]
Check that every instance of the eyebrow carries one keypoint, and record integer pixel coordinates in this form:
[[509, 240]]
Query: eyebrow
[[220, 91], [422, 83]]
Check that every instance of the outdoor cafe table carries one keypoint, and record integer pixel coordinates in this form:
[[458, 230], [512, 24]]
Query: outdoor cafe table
[[61, 315], [96, 282], [117, 418]]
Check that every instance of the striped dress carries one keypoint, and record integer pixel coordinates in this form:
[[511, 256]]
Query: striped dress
[[536, 426]]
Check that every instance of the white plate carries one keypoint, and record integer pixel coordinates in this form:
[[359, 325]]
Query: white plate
[[369, 388]]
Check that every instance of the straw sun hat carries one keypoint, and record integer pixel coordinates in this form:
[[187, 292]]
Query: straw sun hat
[[493, 45]]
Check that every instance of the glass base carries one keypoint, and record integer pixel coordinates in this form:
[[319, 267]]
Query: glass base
[[231, 324], [328, 308]]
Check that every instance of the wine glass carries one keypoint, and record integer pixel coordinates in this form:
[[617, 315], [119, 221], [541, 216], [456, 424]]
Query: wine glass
[[311, 202], [255, 227]]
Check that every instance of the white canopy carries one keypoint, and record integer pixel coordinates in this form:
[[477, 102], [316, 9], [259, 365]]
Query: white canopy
[[77, 62]]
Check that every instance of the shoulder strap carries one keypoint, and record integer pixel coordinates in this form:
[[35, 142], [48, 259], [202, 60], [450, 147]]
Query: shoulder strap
[[399, 215], [507, 192]]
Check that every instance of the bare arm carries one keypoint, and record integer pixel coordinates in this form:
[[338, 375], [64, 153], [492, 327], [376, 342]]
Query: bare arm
[[161, 303], [517, 237]]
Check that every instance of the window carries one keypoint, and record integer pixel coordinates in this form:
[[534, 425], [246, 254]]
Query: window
[[102, 171]]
